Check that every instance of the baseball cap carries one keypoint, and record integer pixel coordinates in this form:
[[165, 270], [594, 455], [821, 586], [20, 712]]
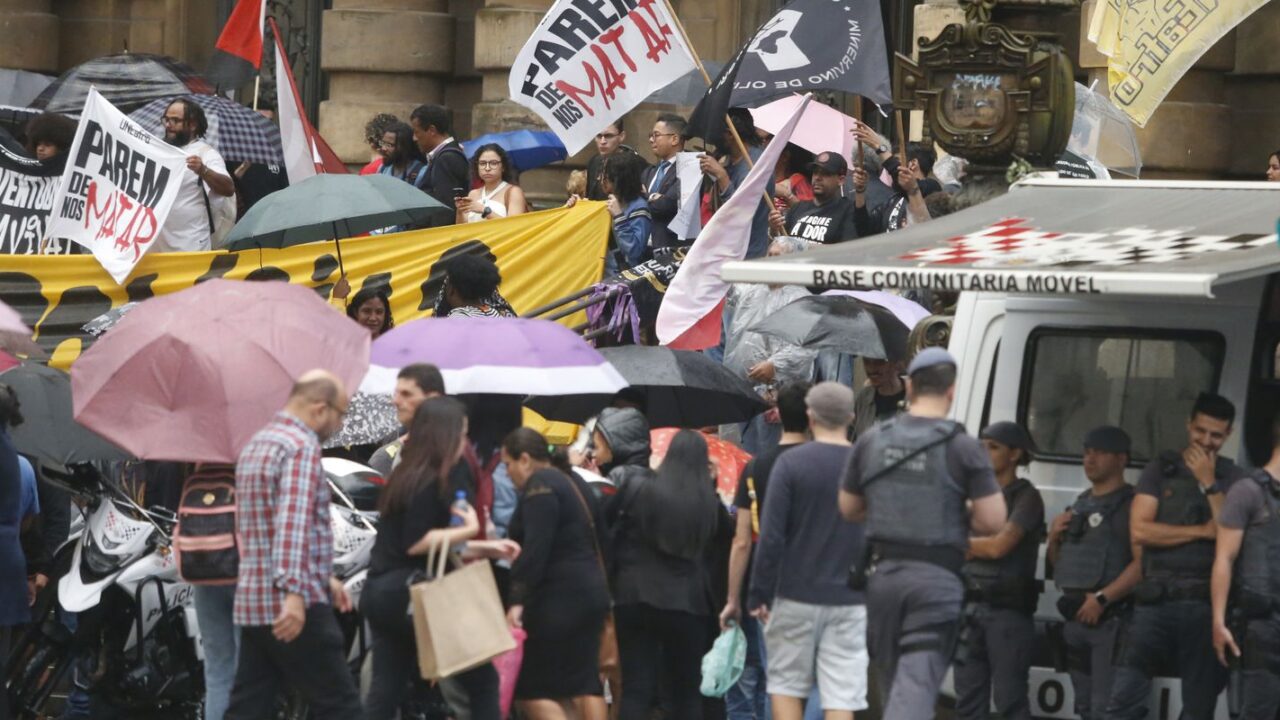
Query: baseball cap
[[832, 162], [1009, 434], [1107, 438], [929, 357]]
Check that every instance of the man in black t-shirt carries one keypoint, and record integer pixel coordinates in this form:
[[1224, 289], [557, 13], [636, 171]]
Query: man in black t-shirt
[[830, 217], [748, 697]]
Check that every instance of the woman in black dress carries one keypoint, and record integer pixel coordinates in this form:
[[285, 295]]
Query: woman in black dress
[[558, 589], [415, 513]]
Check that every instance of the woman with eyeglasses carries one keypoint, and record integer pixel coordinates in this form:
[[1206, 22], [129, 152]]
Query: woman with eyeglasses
[[499, 197]]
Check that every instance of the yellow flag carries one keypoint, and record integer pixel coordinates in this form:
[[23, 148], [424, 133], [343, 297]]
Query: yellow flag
[[1150, 44]]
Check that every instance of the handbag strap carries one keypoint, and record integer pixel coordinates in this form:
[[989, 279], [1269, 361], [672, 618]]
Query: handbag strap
[[591, 525]]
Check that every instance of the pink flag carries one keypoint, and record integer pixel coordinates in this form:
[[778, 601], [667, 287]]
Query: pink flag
[[689, 318]]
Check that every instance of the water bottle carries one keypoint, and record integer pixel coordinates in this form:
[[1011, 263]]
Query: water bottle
[[459, 505]]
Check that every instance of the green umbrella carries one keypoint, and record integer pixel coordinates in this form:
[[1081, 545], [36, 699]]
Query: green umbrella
[[331, 207]]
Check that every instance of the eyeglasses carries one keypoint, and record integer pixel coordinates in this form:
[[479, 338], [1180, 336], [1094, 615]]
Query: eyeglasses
[[607, 136], [387, 145], [656, 135], [172, 120], [489, 163]]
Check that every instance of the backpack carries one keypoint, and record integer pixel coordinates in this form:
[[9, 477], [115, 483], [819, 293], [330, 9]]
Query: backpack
[[204, 540]]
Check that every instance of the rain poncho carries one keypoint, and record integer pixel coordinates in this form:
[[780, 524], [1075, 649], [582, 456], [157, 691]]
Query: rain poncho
[[747, 305]]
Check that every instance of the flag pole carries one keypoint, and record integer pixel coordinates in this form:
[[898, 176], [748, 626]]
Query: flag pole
[[257, 82], [857, 139], [902, 138], [728, 123]]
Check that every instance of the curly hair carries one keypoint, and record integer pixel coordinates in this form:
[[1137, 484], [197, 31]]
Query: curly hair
[[474, 278], [508, 167], [377, 127], [52, 128]]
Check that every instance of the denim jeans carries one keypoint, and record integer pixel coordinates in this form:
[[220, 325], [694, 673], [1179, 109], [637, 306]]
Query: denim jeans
[[220, 639], [1182, 631], [748, 699]]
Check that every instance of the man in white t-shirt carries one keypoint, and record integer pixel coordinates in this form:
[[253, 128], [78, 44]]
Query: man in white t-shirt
[[204, 185]]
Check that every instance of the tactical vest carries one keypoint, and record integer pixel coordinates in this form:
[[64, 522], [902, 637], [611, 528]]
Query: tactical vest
[[1092, 554], [1010, 581], [1258, 566], [1181, 503], [917, 502]]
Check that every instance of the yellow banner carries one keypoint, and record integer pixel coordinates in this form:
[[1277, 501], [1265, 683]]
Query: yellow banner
[[543, 256], [1150, 44]]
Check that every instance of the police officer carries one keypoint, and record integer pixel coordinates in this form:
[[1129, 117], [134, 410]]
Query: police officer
[[909, 479], [1000, 577], [1177, 502], [1096, 566], [1249, 529]]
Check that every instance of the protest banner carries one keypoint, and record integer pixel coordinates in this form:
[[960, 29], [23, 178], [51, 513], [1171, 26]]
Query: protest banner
[[589, 62], [117, 187], [27, 189], [1150, 45], [543, 256]]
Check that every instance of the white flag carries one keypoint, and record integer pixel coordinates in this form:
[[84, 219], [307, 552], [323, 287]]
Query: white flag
[[300, 156], [117, 189], [689, 317], [588, 63]]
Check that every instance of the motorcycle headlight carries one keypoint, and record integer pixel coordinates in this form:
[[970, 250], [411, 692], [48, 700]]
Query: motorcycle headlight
[[96, 565]]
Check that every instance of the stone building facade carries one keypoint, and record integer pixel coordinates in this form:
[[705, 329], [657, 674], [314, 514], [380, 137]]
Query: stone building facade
[[390, 55]]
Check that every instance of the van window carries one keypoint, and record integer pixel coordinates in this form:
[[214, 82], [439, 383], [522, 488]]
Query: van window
[[1143, 381]]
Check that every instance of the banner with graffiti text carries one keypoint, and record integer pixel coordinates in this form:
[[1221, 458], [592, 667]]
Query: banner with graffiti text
[[588, 63], [543, 256], [117, 188], [27, 187]]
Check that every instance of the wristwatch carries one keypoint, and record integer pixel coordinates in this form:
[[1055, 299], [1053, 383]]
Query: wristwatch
[[882, 148], [1101, 598], [1211, 490]]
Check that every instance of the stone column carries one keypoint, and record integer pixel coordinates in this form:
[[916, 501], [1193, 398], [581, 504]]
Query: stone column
[[184, 29], [30, 33], [381, 56], [1252, 92], [1190, 133]]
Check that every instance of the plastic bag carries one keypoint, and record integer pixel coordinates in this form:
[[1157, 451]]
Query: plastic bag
[[508, 666], [722, 666]]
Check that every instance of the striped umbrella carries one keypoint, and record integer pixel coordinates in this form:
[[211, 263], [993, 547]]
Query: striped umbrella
[[235, 131]]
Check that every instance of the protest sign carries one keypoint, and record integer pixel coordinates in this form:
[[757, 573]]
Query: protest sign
[[688, 220], [543, 256], [588, 62], [27, 189], [117, 187]]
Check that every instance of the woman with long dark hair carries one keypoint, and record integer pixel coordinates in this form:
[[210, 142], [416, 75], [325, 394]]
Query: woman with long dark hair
[[629, 207], [664, 523], [371, 308], [499, 196], [415, 513], [558, 589]]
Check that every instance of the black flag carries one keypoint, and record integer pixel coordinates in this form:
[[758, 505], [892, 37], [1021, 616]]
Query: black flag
[[808, 45]]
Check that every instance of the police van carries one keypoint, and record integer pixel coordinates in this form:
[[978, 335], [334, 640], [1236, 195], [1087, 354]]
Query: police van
[[1085, 303]]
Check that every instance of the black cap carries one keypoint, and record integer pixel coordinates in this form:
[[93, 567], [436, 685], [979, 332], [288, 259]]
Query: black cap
[[1107, 438], [1012, 435], [832, 162]]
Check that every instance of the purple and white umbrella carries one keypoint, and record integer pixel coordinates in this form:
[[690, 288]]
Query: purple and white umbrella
[[510, 356]]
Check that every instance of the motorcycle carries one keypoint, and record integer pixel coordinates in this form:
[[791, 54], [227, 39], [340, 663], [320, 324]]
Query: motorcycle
[[136, 641]]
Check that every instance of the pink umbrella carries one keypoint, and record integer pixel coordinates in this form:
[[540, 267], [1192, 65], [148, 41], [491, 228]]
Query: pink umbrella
[[191, 376], [822, 128], [15, 336]]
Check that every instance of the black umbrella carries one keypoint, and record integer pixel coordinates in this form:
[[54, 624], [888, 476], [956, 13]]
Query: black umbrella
[[48, 430], [679, 388], [127, 80], [839, 323]]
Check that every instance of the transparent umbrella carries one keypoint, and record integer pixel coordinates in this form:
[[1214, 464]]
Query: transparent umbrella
[[1101, 132]]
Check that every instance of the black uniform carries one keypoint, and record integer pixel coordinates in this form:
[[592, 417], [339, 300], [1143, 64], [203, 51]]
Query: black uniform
[[1173, 620], [997, 654], [915, 475], [1252, 506], [1095, 550]]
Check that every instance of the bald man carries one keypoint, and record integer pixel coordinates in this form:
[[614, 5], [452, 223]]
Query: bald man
[[289, 636]]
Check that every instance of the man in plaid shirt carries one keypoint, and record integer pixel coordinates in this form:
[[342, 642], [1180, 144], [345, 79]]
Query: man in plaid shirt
[[289, 636]]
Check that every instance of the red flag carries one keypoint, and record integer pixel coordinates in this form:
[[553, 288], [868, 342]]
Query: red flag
[[238, 52]]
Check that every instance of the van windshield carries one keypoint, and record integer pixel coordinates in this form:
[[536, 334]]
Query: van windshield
[[1142, 381]]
